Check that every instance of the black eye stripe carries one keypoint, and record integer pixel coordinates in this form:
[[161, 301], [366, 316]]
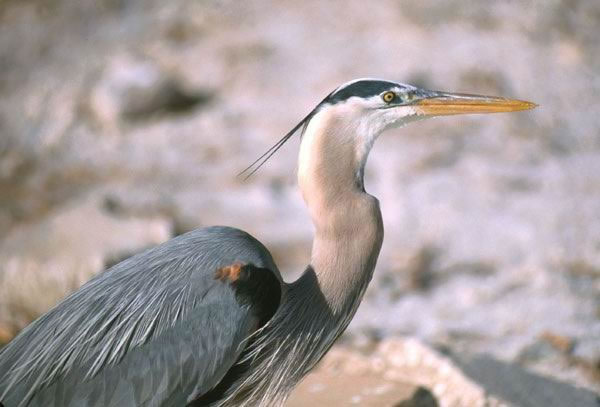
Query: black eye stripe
[[364, 89]]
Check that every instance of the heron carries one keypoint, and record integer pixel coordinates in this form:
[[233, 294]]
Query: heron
[[205, 319]]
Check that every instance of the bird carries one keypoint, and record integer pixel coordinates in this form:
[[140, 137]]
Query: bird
[[205, 319]]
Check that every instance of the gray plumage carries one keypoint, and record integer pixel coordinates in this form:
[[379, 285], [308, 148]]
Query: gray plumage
[[205, 319], [152, 358]]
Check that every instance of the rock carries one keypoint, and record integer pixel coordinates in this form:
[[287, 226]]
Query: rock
[[521, 388], [399, 373], [420, 398], [134, 89], [404, 372], [421, 269], [559, 342], [344, 378], [326, 388], [552, 352], [409, 360]]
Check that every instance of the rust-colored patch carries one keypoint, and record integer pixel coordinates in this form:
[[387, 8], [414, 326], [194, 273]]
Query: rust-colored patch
[[229, 273]]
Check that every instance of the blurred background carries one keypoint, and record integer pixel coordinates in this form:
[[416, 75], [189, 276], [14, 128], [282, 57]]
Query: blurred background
[[125, 122]]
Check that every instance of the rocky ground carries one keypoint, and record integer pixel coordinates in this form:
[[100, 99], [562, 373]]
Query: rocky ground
[[407, 373], [123, 123]]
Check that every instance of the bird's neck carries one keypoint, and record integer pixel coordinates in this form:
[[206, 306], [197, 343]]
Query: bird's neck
[[347, 220], [318, 306]]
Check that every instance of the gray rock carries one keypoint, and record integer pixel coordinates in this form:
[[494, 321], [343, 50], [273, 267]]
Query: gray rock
[[135, 89], [520, 387]]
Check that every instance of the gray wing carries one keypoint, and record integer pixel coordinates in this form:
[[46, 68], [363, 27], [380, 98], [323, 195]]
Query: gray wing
[[156, 329]]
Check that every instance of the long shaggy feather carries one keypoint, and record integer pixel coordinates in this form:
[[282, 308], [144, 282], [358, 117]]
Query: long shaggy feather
[[260, 161], [290, 344]]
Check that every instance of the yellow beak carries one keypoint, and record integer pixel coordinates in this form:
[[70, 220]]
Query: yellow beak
[[442, 104]]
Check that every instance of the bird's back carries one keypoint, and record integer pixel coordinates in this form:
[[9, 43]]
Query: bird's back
[[159, 328]]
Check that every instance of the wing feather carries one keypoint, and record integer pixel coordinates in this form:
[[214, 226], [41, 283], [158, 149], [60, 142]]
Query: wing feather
[[156, 329]]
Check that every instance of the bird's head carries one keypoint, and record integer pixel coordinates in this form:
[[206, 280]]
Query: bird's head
[[340, 131], [374, 105], [344, 125]]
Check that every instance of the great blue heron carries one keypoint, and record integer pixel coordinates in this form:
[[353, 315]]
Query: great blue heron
[[205, 318]]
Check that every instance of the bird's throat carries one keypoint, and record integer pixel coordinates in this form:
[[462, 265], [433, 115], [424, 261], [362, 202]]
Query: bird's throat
[[347, 220]]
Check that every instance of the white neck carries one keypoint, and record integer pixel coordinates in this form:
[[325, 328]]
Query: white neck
[[347, 220]]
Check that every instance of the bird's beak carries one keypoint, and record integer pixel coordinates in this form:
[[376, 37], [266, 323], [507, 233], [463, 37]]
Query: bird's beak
[[435, 103]]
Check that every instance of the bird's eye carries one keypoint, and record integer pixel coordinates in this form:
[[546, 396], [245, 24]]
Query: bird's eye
[[388, 96]]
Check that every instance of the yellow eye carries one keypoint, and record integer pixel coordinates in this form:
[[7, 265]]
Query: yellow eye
[[388, 96]]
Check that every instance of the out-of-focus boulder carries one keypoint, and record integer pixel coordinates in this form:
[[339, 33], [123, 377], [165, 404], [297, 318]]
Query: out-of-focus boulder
[[133, 89], [398, 373], [520, 387]]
